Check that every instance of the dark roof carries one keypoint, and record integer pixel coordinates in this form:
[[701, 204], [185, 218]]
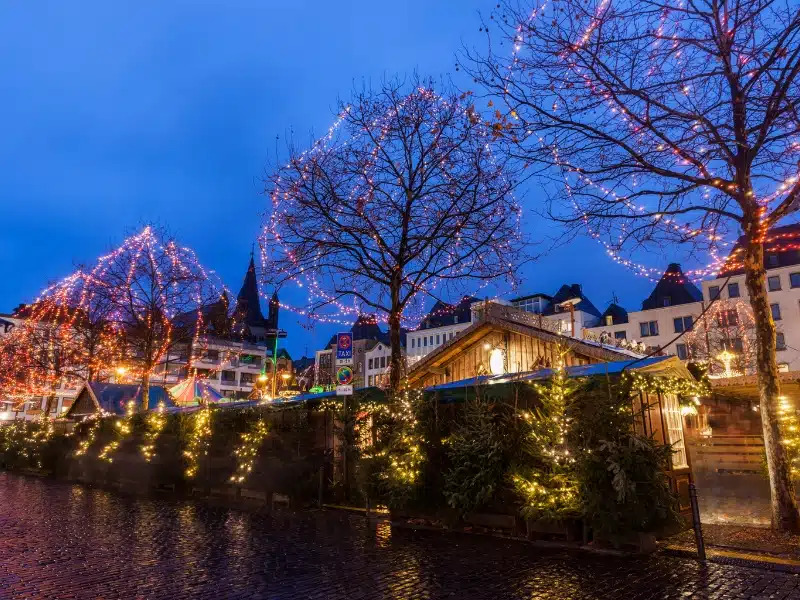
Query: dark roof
[[618, 314], [567, 292], [443, 313], [113, 397], [528, 296], [673, 289], [364, 328], [248, 303], [303, 363], [780, 250]]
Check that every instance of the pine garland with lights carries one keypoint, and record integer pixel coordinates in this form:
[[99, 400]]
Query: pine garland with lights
[[790, 434], [247, 451], [123, 428], [155, 421], [199, 441]]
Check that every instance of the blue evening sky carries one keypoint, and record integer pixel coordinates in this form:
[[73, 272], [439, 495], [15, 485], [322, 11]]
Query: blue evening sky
[[117, 113]]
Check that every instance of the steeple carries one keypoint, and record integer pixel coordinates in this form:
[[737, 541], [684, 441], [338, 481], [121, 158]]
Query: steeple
[[248, 306]]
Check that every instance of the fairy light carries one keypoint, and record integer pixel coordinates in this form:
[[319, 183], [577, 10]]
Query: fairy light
[[695, 157], [199, 441], [790, 433], [156, 421], [123, 428], [284, 195], [247, 451], [91, 434]]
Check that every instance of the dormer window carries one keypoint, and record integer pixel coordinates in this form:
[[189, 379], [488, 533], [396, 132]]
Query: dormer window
[[609, 320], [666, 301], [772, 260]]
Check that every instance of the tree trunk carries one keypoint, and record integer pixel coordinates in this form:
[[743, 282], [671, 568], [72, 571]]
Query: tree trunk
[[396, 363], [145, 391], [48, 404], [396, 369], [784, 505]]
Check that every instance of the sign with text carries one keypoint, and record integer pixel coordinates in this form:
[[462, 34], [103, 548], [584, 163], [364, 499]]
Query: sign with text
[[344, 348], [344, 379]]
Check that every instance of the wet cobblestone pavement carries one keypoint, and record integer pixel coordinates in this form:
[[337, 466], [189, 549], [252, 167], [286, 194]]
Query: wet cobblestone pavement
[[59, 540]]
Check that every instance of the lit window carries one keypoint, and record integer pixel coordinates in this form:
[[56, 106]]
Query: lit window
[[733, 290], [780, 341], [648, 329], [672, 416], [682, 324], [774, 283], [776, 311], [772, 260]]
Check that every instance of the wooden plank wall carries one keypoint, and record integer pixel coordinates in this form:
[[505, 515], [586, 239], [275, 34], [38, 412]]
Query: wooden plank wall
[[523, 353]]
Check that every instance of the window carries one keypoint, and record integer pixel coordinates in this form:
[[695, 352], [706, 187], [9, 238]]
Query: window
[[672, 417], [369, 380], [431, 340], [455, 319], [780, 341], [383, 362], [609, 320], [666, 301], [229, 376], [774, 283], [620, 335], [247, 378], [783, 367], [412, 342], [682, 324], [648, 328], [425, 341], [776, 311], [713, 292], [369, 363], [451, 335], [728, 318], [438, 340], [772, 260], [738, 345], [733, 290], [794, 280], [682, 351]]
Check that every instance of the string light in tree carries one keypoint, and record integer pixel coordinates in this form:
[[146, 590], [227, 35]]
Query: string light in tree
[[156, 421]]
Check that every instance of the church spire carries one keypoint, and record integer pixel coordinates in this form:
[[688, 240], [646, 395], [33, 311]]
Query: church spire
[[248, 306]]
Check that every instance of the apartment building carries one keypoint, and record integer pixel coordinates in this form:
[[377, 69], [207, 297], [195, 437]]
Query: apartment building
[[440, 325], [366, 336], [676, 304], [569, 309]]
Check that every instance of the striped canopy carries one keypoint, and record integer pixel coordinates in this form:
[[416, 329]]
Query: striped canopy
[[194, 391]]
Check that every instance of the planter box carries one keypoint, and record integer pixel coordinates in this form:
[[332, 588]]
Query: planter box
[[492, 521], [568, 529], [642, 543]]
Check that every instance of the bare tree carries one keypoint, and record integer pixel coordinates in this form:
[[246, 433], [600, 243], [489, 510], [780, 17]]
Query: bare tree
[[159, 295], [661, 121], [724, 338], [403, 199], [65, 336]]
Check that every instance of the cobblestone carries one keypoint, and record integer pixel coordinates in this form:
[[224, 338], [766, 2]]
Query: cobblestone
[[59, 540]]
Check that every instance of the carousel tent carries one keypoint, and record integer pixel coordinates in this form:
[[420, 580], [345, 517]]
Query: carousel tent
[[194, 391]]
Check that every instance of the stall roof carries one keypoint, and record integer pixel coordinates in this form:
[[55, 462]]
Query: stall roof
[[113, 397], [656, 365]]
